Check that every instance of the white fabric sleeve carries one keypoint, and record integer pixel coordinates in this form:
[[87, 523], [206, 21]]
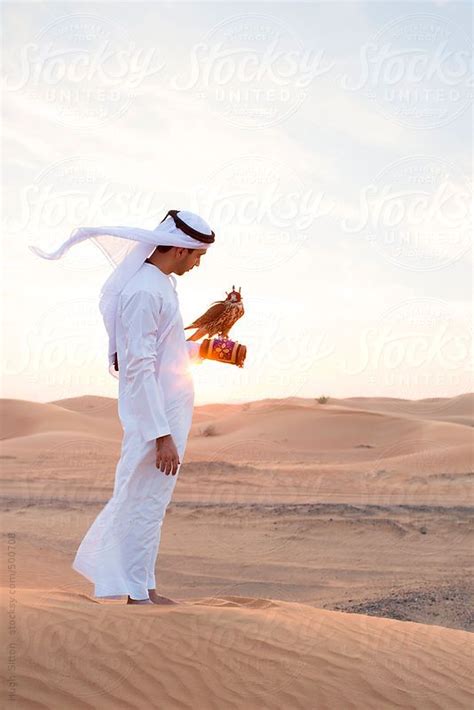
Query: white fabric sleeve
[[193, 351], [141, 319]]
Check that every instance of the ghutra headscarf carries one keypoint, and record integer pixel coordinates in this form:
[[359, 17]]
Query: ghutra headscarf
[[179, 228]]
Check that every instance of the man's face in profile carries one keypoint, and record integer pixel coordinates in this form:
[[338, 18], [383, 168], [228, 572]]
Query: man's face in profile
[[188, 260]]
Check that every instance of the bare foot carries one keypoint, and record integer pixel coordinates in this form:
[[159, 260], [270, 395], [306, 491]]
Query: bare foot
[[138, 601], [159, 599]]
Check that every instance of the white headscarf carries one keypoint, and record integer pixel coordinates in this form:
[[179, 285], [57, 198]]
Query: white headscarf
[[165, 234]]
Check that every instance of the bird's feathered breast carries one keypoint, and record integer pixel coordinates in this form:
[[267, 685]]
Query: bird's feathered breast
[[220, 309], [212, 313]]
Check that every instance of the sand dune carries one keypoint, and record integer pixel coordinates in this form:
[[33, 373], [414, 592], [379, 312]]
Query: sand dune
[[442, 408], [287, 515], [89, 404], [342, 449], [22, 418], [306, 416], [460, 407], [301, 429], [229, 651]]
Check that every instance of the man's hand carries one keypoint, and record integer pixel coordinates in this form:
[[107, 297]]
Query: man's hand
[[167, 458]]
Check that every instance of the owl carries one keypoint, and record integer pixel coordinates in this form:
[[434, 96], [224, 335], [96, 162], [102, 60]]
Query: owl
[[220, 317]]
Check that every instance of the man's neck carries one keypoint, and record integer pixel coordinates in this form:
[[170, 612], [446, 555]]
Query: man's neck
[[165, 268]]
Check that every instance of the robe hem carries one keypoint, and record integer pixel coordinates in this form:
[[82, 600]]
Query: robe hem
[[120, 589]]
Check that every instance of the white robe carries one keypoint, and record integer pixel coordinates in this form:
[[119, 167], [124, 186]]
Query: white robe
[[156, 397]]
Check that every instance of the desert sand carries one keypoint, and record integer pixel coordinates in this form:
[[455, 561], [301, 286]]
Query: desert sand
[[322, 555]]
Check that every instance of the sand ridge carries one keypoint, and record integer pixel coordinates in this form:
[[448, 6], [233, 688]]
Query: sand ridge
[[108, 655]]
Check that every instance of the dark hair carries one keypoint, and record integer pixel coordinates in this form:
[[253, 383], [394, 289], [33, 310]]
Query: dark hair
[[162, 249]]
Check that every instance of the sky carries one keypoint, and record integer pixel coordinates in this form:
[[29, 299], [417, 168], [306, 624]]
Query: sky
[[328, 145]]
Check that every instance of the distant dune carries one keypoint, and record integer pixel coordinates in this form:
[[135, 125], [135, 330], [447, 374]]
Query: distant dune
[[20, 418], [309, 429], [341, 433]]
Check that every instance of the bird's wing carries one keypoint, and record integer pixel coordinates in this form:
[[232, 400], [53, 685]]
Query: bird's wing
[[211, 314]]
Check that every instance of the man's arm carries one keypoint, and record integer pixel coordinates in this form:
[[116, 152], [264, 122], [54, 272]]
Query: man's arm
[[193, 350], [141, 318]]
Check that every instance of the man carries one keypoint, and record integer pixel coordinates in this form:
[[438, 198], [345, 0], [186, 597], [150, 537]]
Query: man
[[147, 343]]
